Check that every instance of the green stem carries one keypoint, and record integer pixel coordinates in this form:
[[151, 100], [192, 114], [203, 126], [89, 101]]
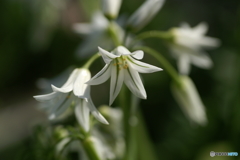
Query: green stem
[[153, 34], [124, 101], [166, 65], [88, 145], [91, 60], [113, 33], [146, 151]]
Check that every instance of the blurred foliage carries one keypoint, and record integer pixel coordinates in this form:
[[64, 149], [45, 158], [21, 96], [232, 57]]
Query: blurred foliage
[[34, 45]]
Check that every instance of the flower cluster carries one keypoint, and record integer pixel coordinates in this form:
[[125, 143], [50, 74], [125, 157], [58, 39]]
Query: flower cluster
[[122, 56]]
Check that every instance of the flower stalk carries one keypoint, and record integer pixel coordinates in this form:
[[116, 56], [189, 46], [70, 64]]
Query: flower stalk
[[91, 60], [88, 145], [113, 33], [153, 34]]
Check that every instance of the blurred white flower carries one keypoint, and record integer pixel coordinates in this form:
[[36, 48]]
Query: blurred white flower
[[188, 98], [76, 92], [122, 67], [95, 34], [113, 134], [111, 8], [144, 14], [188, 44]]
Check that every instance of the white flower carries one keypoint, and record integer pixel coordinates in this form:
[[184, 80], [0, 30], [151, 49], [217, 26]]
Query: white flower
[[188, 98], [76, 92], [122, 67], [95, 34], [111, 8], [144, 14], [188, 44]]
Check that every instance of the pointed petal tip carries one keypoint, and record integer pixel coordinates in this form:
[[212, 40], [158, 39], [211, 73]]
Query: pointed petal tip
[[105, 122]]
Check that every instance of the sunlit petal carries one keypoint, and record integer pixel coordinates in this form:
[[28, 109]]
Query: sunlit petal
[[107, 56], [79, 85], [117, 77], [101, 76], [46, 97], [142, 67], [95, 112], [82, 113], [134, 83], [66, 89], [138, 54]]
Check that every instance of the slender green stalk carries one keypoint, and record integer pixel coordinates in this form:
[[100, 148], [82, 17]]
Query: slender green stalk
[[91, 60], [166, 65], [152, 34], [113, 33], [146, 151], [90, 149], [129, 130]]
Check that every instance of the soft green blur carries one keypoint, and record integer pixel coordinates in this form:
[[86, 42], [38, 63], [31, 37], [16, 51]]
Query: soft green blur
[[37, 41]]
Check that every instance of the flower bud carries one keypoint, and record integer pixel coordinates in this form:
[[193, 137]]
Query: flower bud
[[144, 14], [111, 8], [187, 97]]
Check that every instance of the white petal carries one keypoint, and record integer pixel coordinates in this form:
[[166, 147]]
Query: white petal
[[71, 78], [184, 64], [58, 111], [142, 67], [62, 104], [201, 28], [46, 97], [122, 50], [189, 100], [101, 76], [209, 42], [107, 56], [63, 89], [82, 114], [144, 14], [79, 86], [138, 54], [111, 7], [117, 77], [68, 86], [95, 112], [134, 82], [201, 60]]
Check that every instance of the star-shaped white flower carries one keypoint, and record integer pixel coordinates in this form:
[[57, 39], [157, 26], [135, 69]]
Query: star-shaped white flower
[[76, 92], [188, 44], [122, 66]]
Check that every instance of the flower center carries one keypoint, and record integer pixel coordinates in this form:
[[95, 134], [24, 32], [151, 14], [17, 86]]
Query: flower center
[[121, 62]]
